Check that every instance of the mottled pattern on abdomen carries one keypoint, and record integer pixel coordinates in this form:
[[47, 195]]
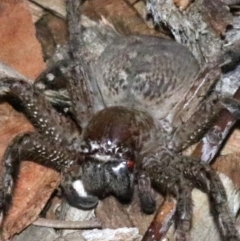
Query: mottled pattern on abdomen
[[152, 78]]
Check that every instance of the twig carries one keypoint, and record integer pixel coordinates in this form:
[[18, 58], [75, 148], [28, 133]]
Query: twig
[[62, 224], [206, 150], [161, 222]]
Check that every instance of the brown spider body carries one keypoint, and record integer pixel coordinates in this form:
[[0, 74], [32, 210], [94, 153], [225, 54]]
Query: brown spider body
[[119, 125]]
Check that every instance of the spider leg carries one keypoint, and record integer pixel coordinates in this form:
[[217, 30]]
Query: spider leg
[[166, 175], [218, 202], [183, 216], [30, 146], [52, 147], [193, 129], [177, 175], [68, 83], [75, 28], [145, 194], [208, 180], [202, 84], [53, 83], [232, 105], [57, 83], [87, 99], [23, 97]]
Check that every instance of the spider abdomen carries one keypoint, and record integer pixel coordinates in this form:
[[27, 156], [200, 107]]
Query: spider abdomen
[[145, 73]]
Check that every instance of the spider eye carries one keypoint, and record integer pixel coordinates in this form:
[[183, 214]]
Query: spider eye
[[130, 165]]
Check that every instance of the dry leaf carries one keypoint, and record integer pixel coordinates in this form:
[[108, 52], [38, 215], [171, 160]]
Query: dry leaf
[[21, 51]]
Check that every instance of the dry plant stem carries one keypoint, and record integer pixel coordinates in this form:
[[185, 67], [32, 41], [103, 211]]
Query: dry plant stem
[[205, 151], [62, 224], [161, 222], [182, 4]]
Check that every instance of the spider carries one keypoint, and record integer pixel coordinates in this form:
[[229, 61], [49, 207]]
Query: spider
[[110, 120]]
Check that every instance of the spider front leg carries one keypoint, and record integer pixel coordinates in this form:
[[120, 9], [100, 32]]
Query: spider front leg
[[145, 193], [169, 180], [183, 215], [182, 192], [177, 175], [59, 84], [30, 146], [48, 147], [25, 98], [201, 120]]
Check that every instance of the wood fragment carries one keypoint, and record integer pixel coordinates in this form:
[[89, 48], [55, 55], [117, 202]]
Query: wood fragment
[[161, 222], [124, 17], [63, 224], [36, 11], [207, 150], [57, 7], [217, 16], [182, 4]]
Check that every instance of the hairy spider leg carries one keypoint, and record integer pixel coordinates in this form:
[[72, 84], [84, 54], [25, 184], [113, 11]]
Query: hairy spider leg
[[51, 150], [177, 175]]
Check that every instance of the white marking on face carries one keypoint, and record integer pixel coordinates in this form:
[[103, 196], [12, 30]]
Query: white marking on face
[[94, 146], [79, 188], [50, 76], [102, 157], [40, 86], [59, 56], [118, 167]]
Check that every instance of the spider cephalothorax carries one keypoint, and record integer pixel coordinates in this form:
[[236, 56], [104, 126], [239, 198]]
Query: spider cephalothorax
[[113, 144], [120, 124]]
